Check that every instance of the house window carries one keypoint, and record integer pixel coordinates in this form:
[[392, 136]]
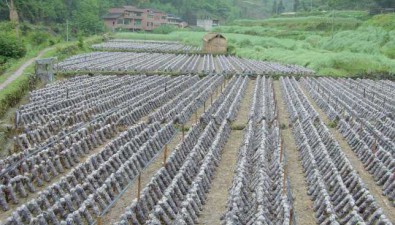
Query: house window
[[148, 24], [126, 21], [164, 17], [138, 13], [137, 22], [150, 16], [120, 21]]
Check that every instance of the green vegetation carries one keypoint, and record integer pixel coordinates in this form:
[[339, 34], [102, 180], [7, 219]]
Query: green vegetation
[[357, 48], [14, 92]]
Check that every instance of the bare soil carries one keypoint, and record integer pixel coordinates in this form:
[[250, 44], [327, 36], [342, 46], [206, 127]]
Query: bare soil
[[302, 204], [215, 206], [367, 179]]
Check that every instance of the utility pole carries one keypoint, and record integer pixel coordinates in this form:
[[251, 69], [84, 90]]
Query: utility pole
[[311, 5], [333, 22]]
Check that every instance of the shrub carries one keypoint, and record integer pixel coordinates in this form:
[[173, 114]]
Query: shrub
[[38, 37], [245, 43], [52, 42], [164, 29], [15, 91], [81, 42], [231, 49], [66, 51], [10, 47]]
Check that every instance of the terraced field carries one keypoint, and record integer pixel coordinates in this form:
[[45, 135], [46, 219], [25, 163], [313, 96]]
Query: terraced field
[[224, 148]]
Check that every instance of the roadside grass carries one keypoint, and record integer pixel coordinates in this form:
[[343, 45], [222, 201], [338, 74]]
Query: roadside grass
[[16, 90], [308, 23], [366, 50]]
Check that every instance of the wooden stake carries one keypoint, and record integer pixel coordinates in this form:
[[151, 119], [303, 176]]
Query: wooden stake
[[291, 215], [165, 155], [99, 220], [374, 146], [284, 183], [183, 132], [139, 187], [281, 150], [204, 107]]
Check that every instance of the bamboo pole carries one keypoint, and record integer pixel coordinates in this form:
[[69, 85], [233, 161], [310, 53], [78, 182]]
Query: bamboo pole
[[374, 146], [183, 132], [99, 220], [165, 155], [139, 187], [281, 150], [284, 181]]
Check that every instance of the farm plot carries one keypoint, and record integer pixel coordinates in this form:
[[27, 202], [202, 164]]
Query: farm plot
[[121, 45], [53, 166], [84, 143], [338, 193], [260, 190], [172, 63], [364, 114], [177, 191]]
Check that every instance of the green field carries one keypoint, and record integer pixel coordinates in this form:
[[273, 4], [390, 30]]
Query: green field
[[336, 44]]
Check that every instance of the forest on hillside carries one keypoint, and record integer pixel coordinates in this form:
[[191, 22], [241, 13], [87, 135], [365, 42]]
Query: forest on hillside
[[84, 15]]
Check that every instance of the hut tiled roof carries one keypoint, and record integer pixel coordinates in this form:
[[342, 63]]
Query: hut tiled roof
[[112, 16], [208, 37]]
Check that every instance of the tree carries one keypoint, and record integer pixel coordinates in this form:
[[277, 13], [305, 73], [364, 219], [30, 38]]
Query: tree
[[296, 5], [274, 10], [385, 3], [280, 7], [13, 11]]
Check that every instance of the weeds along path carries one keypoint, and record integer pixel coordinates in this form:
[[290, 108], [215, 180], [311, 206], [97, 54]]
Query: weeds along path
[[21, 69], [303, 206], [119, 207], [367, 179], [218, 195]]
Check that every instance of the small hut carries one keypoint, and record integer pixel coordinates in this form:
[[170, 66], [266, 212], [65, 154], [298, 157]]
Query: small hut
[[215, 43]]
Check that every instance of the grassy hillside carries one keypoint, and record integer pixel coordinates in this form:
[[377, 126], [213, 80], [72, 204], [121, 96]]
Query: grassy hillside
[[351, 46]]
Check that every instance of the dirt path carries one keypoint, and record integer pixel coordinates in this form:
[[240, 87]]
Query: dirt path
[[22, 68], [302, 202], [367, 179], [215, 206]]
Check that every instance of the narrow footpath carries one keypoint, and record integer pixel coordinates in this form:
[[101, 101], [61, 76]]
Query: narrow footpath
[[302, 203], [217, 197], [21, 69]]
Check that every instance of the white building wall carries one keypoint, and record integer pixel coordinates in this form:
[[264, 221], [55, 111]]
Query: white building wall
[[207, 25]]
